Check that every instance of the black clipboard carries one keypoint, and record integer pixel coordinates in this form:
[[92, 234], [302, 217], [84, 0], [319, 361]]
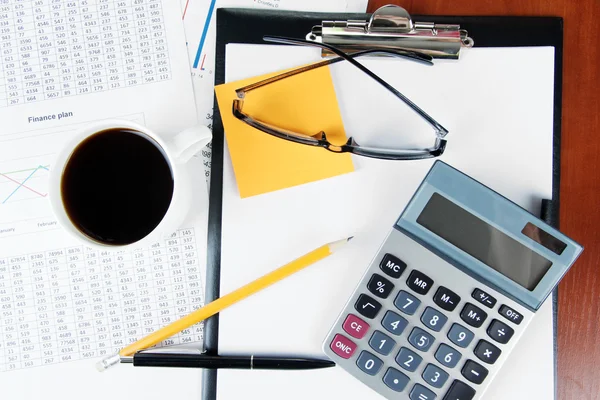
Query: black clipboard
[[249, 26]]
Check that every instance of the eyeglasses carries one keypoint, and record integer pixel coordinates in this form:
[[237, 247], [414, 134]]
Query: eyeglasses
[[320, 139]]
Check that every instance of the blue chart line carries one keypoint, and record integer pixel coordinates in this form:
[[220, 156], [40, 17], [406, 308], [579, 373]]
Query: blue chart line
[[22, 183], [204, 32]]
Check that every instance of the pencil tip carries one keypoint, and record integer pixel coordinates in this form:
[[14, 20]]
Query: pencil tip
[[339, 244]]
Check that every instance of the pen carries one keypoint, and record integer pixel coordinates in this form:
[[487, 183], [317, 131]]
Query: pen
[[147, 359]]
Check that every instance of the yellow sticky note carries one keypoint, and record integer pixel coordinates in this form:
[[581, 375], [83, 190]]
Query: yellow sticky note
[[304, 103]]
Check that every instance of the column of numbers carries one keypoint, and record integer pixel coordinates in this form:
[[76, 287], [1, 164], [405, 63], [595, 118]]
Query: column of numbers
[[193, 283], [145, 279], [62, 304], [6, 18], [128, 293], [29, 51], [10, 337]]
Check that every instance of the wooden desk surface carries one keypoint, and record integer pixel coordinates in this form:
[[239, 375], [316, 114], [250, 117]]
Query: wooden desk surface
[[579, 292]]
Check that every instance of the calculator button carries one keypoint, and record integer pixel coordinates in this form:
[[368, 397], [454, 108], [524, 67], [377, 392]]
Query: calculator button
[[342, 346], [435, 376], [368, 363], [474, 372], [420, 392], [500, 332], [407, 303], [510, 314], [460, 336], [367, 306], [392, 266], [380, 286], [394, 323], [420, 339], [447, 356], [446, 298], [419, 282], [433, 319], [460, 391], [408, 359], [473, 315], [395, 380], [487, 352], [382, 343], [483, 298], [355, 326]]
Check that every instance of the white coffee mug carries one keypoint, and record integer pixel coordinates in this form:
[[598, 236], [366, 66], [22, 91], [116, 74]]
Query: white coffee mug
[[177, 151]]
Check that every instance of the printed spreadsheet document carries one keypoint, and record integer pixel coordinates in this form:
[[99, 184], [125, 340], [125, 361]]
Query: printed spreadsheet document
[[64, 305]]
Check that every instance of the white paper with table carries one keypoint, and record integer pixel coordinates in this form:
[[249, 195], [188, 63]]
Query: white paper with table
[[498, 106], [64, 64]]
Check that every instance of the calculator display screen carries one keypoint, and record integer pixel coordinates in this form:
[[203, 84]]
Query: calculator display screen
[[483, 241]]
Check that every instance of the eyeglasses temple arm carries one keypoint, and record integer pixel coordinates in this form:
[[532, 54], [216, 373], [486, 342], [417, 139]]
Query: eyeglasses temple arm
[[418, 57]]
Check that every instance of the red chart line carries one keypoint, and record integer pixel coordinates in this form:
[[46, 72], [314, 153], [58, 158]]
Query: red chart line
[[21, 185], [187, 3]]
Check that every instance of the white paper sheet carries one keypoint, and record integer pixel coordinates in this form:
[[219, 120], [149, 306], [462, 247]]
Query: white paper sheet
[[65, 64], [200, 28], [498, 106]]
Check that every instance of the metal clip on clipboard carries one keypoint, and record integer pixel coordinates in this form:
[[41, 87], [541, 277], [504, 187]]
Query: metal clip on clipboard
[[392, 27]]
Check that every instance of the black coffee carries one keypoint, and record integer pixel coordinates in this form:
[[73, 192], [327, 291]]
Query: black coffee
[[117, 186]]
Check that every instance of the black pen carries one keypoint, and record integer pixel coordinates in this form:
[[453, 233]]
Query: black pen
[[183, 360]]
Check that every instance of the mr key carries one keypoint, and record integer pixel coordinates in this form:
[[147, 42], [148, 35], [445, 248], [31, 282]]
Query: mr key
[[449, 293]]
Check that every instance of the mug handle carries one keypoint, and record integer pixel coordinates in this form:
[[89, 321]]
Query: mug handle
[[189, 142]]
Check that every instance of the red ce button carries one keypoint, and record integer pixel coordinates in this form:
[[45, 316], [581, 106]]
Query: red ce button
[[355, 326]]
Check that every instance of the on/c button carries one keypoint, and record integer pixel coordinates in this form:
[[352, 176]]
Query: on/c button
[[355, 326], [342, 346]]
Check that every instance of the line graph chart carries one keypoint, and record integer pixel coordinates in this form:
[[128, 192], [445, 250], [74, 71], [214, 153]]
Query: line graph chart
[[23, 184]]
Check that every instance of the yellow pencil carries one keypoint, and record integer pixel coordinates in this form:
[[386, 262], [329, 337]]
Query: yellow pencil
[[223, 302]]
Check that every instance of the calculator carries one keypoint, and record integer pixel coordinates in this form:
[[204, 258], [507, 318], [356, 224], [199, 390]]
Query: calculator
[[449, 293]]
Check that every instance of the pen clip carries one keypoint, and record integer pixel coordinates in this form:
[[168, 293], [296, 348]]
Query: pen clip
[[392, 27]]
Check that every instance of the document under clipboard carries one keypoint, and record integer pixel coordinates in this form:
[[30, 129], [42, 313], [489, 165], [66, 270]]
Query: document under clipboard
[[249, 26]]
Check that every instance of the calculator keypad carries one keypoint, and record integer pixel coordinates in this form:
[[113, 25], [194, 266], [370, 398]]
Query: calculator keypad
[[404, 335]]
